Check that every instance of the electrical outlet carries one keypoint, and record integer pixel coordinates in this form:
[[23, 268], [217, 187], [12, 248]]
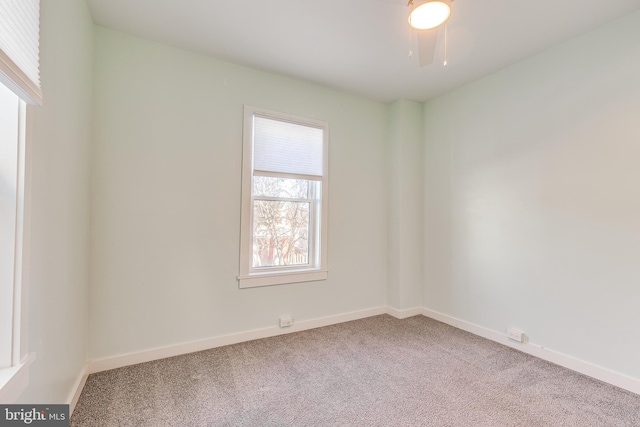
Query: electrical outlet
[[286, 321], [515, 335]]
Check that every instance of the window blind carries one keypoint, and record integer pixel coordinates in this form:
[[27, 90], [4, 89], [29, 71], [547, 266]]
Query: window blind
[[285, 147], [19, 48]]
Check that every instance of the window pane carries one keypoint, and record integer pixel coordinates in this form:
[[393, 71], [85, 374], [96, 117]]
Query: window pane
[[280, 233], [280, 187]]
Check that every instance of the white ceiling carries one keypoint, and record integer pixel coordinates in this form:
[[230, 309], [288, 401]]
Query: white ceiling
[[359, 46]]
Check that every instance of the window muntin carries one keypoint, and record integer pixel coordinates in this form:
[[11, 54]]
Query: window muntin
[[284, 201]]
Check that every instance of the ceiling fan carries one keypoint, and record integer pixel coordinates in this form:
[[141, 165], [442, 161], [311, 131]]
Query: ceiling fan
[[426, 17]]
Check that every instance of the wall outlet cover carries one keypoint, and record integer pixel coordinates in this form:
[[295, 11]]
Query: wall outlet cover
[[286, 321], [515, 335]]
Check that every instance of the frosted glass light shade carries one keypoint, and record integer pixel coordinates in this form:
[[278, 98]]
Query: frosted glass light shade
[[428, 14]]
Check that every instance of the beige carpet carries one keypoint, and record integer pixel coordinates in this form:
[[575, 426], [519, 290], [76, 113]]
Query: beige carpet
[[378, 371]]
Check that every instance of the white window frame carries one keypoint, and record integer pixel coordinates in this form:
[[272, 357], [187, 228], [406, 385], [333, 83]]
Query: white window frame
[[15, 378], [317, 269]]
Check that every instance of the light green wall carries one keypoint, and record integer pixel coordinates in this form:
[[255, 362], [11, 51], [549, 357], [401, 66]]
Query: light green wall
[[532, 207], [58, 137], [166, 198], [404, 227]]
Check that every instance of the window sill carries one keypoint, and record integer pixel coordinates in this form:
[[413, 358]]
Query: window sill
[[270, 279], [14, 380]]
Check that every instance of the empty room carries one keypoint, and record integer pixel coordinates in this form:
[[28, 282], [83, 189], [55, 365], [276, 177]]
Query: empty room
[[320, 213]]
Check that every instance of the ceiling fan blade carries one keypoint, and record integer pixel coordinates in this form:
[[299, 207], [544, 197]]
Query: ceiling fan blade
[[427, 46]]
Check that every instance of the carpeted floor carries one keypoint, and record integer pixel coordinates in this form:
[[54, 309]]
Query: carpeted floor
[[378, 371]]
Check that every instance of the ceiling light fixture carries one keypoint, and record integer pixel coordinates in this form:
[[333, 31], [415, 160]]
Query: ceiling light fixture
[[427, 14]]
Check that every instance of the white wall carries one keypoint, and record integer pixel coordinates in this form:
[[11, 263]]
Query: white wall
[[58, 137], [532, 201], [166, 198]]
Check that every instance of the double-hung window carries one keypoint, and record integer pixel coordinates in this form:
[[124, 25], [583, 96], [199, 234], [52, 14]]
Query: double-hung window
[[284, 199], [13, 357], [19, 85]]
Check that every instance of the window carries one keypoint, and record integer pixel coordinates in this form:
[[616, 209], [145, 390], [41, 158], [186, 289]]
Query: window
[[12, 165], [19, 84], [284, 199]]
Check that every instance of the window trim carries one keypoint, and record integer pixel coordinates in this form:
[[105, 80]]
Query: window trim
[[250, 277]]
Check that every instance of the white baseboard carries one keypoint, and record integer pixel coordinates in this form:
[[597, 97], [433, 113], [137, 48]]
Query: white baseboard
[[77, 388], [611, 377], [114, 362], [404, 313]]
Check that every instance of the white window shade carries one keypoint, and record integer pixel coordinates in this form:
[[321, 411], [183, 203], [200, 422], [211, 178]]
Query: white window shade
[[19, 48], [284, 147]]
